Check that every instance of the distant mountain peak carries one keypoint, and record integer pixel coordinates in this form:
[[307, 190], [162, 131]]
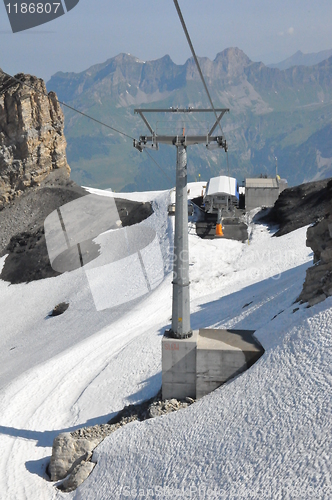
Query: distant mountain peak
[[125, 57], [231, 62], [270, 112], [231, 54], [302, 59]]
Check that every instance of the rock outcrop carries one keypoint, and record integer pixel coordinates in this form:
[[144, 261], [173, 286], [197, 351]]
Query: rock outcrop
[[68, 452], [300, 206], [309, 203], [318, 282], [32, 142]]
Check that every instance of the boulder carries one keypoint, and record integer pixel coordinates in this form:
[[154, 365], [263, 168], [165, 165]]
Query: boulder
[[68, 452], [72, 451], [59, 309]]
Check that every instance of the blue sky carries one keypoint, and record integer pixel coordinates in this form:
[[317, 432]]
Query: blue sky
[[96, 30]]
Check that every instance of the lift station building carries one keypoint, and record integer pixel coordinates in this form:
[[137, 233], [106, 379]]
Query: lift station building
[[263, 192]]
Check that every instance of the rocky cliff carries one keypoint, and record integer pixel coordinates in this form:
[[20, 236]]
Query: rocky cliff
[[32, 142], [318, 282], [300, 206]]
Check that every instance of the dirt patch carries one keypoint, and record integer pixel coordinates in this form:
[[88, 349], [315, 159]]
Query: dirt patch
[[28, 258], [59, 309], [26, 214]]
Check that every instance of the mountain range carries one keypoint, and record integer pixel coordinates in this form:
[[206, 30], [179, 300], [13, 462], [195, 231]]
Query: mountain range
[[273, 113]]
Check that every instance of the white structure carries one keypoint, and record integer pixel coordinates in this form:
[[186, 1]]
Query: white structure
[[221, 192]]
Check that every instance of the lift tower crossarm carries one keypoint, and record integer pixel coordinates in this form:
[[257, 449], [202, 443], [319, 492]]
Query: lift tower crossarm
[[178, 110], [185, 140], [140, 112], [222, 111]]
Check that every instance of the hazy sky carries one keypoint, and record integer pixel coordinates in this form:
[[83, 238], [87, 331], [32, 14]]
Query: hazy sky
[[96, 30]]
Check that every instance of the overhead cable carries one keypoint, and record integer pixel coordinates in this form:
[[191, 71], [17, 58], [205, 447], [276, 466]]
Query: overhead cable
[[195, 57], [149, 154], [199, 71]]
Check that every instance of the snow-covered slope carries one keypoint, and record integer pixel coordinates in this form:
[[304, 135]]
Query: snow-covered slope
[[264, 434]]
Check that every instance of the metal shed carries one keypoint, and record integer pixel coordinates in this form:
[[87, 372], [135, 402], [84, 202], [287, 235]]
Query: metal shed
[[263, 192]]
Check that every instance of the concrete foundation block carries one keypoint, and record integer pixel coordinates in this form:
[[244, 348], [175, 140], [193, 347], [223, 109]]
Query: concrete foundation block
[[197, 366]]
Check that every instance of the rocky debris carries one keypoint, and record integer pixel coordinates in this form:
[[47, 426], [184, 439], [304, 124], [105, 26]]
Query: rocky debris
[[300, 205], [318, 281], [32, 142], [132, 212], [72, 451], [27, 212], [28, 259], [22, 229], [59, 309]]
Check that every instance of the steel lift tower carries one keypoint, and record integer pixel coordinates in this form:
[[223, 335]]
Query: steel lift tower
[[194, 363], [181, 305]]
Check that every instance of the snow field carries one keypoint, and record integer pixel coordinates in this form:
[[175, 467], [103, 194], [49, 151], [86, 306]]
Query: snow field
[[264, 434]]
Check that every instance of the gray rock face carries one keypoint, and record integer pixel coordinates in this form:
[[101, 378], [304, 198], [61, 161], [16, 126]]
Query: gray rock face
[[32, 142], [318, 282]]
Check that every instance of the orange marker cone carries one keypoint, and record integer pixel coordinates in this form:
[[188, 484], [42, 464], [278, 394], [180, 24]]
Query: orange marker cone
[[219, 230]]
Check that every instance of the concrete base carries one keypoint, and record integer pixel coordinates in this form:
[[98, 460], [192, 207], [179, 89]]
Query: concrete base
[[195, 367]]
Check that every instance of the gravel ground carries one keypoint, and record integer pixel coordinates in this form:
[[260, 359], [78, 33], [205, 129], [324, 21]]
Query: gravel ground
[[28, 212], [151, 408]]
